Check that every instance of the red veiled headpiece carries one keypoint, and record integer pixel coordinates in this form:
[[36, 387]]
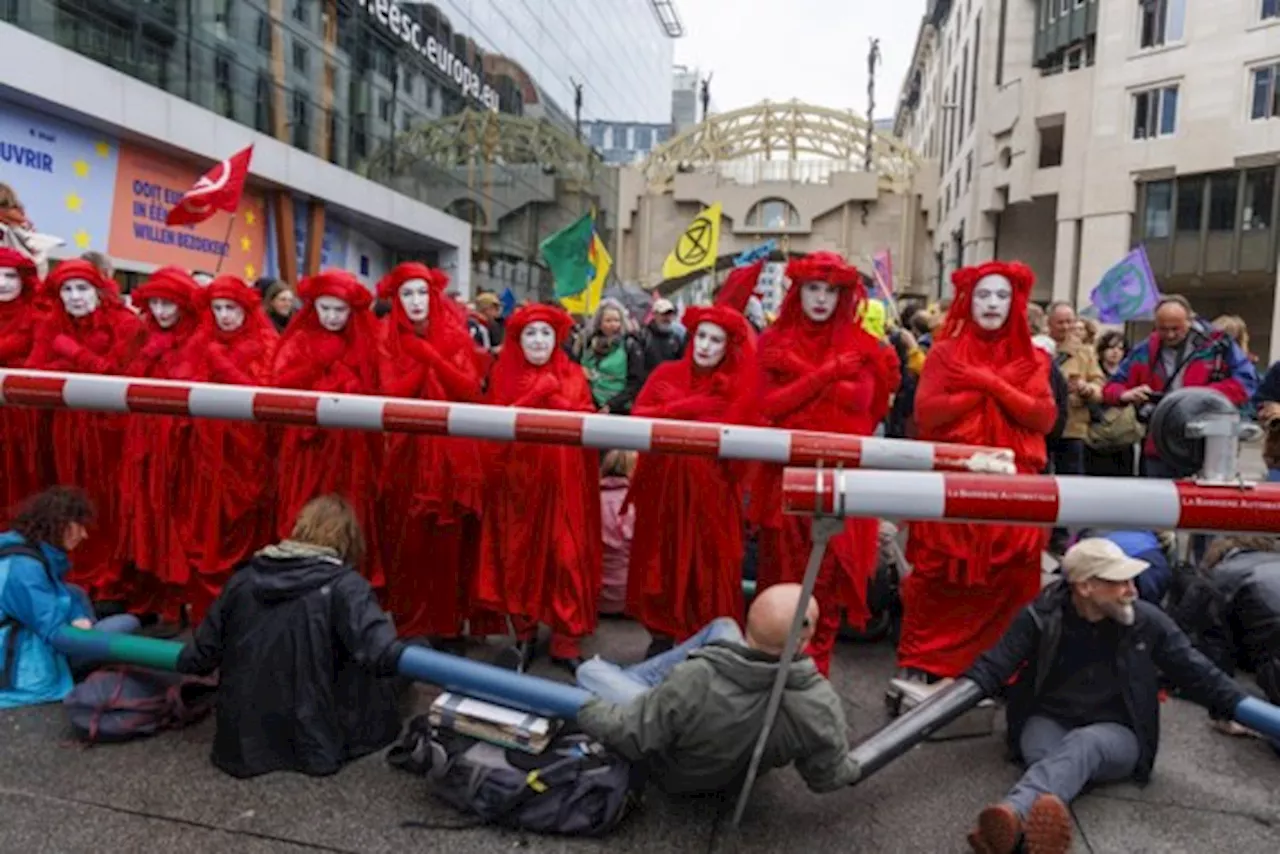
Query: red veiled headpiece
[[361, 331], [108, 290], [175, 285], [27, 272], [794, 331], [234, 288], [1017, 330], [739, 285], [446, 322], [513, 372], [731, 320]]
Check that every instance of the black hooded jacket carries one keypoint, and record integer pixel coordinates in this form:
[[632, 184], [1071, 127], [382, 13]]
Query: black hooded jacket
[[307, 662]]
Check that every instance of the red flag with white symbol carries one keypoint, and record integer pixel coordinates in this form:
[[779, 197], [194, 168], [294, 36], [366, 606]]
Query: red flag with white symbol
[[219, 189]]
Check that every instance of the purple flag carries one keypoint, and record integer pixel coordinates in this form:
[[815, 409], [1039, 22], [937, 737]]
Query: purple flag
[[882, 261], [1127, 291]]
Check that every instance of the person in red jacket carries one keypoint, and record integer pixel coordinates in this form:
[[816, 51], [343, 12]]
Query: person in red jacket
[[157, 502], [541, 545], [821, 370], [89, 331], [432, 487], [984, 383], [686, 565], [25, 464], [236, 345], [331, 345]]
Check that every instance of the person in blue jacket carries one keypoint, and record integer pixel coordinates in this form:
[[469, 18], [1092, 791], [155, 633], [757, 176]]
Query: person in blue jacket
[[36, 601]]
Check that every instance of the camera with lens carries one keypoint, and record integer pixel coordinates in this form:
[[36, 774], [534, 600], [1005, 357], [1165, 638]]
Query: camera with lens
[[1144, 410]]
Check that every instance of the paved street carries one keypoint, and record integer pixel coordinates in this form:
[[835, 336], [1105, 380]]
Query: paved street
[[1211, 793]]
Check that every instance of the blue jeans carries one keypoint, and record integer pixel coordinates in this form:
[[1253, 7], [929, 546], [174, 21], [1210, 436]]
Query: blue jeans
[[120, 624], [621, 685]]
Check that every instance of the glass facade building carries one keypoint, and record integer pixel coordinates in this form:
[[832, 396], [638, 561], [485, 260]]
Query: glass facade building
[[466, 105]]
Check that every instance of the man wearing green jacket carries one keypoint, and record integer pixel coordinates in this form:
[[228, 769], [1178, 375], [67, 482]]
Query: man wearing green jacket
[[694, 713]]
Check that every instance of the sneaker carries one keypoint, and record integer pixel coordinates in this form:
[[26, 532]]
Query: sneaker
[[999, 829], [1049, 826]]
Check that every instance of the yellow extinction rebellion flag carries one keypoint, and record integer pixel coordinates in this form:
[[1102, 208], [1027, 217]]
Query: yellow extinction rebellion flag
[[698, 247]]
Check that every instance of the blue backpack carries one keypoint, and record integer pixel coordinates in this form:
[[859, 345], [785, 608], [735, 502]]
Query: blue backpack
[[120, 703]]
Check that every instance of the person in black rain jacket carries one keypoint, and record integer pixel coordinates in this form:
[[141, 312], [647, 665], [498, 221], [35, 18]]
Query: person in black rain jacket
[[307, 659]]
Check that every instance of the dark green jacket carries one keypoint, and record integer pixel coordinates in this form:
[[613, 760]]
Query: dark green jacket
[[697, 729]]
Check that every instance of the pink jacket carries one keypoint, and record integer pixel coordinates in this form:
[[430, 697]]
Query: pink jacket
[[619, 528]]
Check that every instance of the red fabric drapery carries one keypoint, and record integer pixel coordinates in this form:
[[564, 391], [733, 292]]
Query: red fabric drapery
[[26, 465], [832, 376], [314, 461], [686, 565], [541, 546], [982, 388], [88, 446]]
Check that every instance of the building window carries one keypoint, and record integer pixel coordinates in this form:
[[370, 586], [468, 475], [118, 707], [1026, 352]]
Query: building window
[[968, 169], [1157, 208], [1223, 189], [1155, 112], [1190, 204], [262, 106], [301, 58], [300, 11], [644, 139], [597, 137], [404, 122], [222, 18], [1266, 92], [301, 122], [1259, 192], [264, 33], [1051, 146], [1270, 9], [407, 82], [973, 79], [1160, 22], [773, 213], [224, 102], [384, 108]]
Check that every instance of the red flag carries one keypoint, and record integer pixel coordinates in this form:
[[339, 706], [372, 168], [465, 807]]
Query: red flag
[[219, 189]]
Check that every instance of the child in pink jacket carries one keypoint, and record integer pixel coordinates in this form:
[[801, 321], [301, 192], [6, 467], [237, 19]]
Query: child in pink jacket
[[619, 528]]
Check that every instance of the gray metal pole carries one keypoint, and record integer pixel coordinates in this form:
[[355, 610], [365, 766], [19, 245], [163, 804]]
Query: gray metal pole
[[823, 530]]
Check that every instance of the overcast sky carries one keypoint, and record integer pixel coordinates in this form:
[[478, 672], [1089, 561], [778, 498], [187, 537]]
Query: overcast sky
[[815, 50]]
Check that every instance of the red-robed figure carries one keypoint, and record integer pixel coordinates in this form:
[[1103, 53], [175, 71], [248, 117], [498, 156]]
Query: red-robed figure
[[686, 568], [26, 466], [236, 345], [157, 500], [432, 487], [821, 370], [89, 331], [984, 383], [331, 345], [541, 542]]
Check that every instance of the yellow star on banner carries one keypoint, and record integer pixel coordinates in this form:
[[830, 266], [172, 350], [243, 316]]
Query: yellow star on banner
[[74, 202], [82, 239], [103, 149], [249, 272], [246, 244], [81, 168], [250, 218]]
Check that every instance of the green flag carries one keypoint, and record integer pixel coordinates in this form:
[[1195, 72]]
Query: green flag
[[567, 253]]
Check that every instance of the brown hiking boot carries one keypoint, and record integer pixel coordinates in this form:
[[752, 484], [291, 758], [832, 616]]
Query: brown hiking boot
[[1049, 826], [998, 830]]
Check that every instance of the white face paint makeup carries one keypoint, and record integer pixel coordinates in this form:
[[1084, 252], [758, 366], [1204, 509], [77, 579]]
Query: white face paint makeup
[[79, 297], [538, 341], [228, 314], [992, 301], [818, 301], [333, 313], [415, 298], [164, 311], [709, 345], [10, 284]]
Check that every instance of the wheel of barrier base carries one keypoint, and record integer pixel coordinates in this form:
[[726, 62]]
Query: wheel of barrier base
[[1168, 426]]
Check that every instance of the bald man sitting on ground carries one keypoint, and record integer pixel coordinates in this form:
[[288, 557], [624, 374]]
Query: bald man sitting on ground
[[695, 712]]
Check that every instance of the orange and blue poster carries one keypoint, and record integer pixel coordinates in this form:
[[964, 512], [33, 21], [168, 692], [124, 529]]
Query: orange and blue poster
[[147, 185]]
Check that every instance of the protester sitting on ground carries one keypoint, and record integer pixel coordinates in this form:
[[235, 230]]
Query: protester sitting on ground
[[307, 659], [1085, 705], [695, 712], [36, 601], [1156, 549]]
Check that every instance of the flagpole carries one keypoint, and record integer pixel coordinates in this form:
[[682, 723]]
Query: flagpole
[[231, 221]]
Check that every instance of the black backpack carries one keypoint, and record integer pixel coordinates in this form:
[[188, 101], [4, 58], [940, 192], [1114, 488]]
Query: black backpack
[[575, 787]]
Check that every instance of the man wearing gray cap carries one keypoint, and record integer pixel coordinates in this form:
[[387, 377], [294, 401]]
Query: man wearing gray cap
[[664, 337], [1084, 707]]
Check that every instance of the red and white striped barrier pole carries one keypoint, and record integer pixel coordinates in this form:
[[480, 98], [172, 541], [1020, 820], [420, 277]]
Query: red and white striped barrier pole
[[50, 390], [1060, 502]]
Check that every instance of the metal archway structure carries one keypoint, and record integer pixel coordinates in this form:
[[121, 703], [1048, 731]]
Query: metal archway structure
[[779, 132]]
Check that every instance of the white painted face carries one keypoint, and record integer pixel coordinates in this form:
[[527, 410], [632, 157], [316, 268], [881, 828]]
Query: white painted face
[[818, 301], [333, 313], [415, 298], [164, 311], [992, 300], [228, 314], [709, 345], [79, 297], [10, 284], [538, 341]]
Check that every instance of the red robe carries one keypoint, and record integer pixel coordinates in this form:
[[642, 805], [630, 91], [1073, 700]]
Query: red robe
[[315, 461], [232, 459], [834, 377], [541, 540], [26, 465], [432, 487], [969, 581], [88, 446], [689, 572]]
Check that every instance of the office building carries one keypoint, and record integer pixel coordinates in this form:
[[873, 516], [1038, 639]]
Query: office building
[[1066, 132]]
